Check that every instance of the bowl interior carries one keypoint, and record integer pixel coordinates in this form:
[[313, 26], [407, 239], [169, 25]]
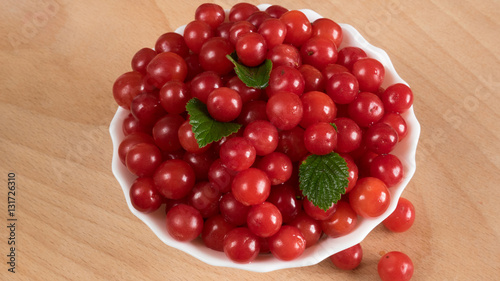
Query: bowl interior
[[327, 246]]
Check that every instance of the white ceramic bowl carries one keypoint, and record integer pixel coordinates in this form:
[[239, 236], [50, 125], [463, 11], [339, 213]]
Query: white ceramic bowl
[[327, 246]]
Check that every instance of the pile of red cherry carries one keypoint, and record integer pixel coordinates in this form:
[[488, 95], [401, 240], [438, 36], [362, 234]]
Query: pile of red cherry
[[241, 194]]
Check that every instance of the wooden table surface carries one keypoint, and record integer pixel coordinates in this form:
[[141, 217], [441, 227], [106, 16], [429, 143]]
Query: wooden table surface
[[59, 59]]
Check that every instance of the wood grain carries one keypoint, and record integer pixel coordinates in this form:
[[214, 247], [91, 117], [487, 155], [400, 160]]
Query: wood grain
[[59, 59]]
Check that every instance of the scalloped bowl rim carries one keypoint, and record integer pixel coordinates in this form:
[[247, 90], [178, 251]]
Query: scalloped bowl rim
[[327, 246]]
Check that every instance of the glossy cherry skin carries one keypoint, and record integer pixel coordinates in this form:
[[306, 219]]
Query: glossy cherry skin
[[292, 144], [275, 11], [224, 104], [166, 67], [298, 27], [204, 197], [251, 49], [184, 223], [313, 78], [397, 98], [264, 219], [397, 122], [366, 109], [172, 42], [332, 69], [309, 227], [286, 55], [316, 212], [274, 31], [318, 107], [349, 258], [214, 230], [262, 135], [193, 65], [188, 140], [349, 135], [132, 125], [141, 59], [284, 110], [288, 244], [203, 84], [370, 74], [223, 30], [380, 138], [196, 33], [251, 186], [174, 178], [277, 166], [238, 29], [210, 13], [370, 197], [319, 52], [147, 109], [257, 18], [320, 138], [284, 198], [349, 55], [144, 196], [127, 87], [233, 210], [174, 96], [143, 159], [165, 133], [342, 87], [130, 141], [241, 245], [395, 265], [220, 176], [213, 55], [246, 93], [200, 162], [402, 218], [252, 111], [324, 27], [285, 79], [388, 168], [237, 154], [353, 171], [342, 222], [241, 11]]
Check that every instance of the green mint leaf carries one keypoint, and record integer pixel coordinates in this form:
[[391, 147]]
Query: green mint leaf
[[335, 126], [323, 179], [255, 77], [205, 128]]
